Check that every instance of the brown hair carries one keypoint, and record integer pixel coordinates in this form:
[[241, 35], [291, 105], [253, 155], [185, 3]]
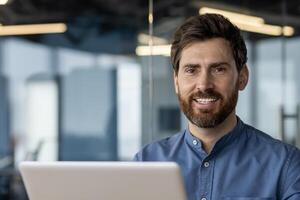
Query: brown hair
[[204, 27]]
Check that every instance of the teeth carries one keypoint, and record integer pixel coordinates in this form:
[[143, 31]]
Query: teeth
[[205, 100]]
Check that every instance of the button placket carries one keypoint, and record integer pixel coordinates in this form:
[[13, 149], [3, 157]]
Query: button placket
[[195, 142], [206, 164]]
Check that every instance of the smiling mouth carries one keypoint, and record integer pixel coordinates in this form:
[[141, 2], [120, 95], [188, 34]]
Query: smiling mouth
[[205, 101]]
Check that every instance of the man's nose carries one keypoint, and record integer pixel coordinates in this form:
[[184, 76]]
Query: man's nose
[[204, 81]]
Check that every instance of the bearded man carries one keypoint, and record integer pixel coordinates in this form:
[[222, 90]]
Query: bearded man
[[220, 156]]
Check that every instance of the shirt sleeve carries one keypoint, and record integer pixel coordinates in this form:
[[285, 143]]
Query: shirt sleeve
[[291, 186]]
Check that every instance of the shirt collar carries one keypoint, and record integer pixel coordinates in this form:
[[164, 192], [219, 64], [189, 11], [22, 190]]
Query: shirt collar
[[221, 143]]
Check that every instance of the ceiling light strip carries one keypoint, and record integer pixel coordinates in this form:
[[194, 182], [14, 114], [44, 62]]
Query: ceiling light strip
[[32, 29], [3, 2], [251, 23], [144, 39], [156, 50]]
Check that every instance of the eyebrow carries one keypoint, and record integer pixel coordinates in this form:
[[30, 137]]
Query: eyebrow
[[215, 64], [191, 65]]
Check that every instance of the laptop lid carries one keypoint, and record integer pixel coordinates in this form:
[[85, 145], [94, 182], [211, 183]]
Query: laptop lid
[[102, 180]]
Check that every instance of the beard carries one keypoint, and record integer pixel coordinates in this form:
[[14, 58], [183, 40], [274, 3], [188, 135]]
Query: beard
[[205, 118]]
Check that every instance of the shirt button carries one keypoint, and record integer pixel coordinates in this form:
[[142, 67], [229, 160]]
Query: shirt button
[[195, 142], [203, 198], [206, 164]]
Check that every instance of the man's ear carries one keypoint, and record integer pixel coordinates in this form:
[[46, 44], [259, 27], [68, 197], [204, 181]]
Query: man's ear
[[175, 78], [243, 77]]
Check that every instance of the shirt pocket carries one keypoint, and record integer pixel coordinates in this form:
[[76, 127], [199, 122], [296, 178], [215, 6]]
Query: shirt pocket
[[248, 198]]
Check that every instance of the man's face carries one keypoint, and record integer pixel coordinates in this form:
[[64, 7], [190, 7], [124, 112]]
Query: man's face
[[208, 82]]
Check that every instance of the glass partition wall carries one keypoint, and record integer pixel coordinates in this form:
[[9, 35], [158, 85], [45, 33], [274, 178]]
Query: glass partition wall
[[101, 87], [270, 100], [108, 87]]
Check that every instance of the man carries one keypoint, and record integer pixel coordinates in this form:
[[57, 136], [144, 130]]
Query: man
[[220, 156]]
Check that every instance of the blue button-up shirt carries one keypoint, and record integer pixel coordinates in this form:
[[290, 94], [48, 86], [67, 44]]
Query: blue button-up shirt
[[245, 164]]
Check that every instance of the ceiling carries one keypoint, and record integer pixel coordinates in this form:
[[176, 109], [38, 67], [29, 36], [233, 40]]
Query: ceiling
[[39, 11], [130, 16]]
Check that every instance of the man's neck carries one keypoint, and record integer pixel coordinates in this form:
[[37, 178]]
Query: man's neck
[[209, 136]]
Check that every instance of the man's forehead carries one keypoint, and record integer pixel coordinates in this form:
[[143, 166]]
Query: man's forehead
[[208, 51]]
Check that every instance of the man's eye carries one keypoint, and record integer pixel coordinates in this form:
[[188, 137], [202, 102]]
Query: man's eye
[[190, 70], [219, 70]]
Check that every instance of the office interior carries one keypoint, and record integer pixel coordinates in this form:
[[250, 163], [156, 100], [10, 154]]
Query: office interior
[[91, 80]]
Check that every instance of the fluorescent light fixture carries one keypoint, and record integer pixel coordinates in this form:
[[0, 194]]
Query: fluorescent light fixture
[[267, 29], [3, 2], [263, 29], [32, 29], [233, 16], [251, 23], [155, 50], [144, 39], [288, 31]]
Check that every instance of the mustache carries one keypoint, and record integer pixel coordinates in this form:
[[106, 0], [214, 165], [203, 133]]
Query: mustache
[[209, 93]]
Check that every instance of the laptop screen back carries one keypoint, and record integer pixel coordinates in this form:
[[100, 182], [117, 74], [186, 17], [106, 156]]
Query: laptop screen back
[[102, 181]]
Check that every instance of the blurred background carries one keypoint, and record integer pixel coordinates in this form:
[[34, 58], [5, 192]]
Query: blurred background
[[91, 80]]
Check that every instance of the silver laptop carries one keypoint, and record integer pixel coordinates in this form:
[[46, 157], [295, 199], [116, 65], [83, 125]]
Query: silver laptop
[[102, 181]]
